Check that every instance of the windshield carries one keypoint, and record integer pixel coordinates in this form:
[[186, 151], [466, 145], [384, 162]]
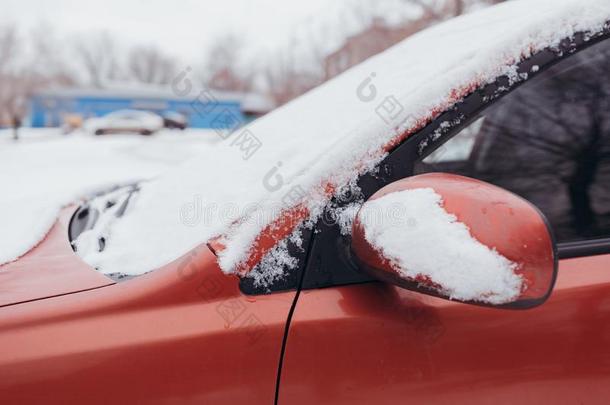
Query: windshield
[[317, 145]]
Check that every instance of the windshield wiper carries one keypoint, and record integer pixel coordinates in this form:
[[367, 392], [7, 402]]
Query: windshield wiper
[[88, 214]]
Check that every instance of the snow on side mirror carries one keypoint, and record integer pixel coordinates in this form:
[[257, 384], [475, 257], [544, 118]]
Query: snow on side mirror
[[457, 238]]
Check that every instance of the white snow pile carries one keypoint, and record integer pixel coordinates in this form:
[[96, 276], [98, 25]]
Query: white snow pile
[[276, 264], [46, 170], [413, 231], [328, 136]]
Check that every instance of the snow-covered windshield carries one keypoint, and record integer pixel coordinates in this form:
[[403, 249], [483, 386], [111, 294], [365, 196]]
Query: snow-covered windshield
[[329, 136], [323, 140]]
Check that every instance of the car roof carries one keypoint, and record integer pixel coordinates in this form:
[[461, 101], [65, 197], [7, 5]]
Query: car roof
[[130, 112]]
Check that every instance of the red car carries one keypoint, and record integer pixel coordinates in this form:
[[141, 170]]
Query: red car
[[523, 161]]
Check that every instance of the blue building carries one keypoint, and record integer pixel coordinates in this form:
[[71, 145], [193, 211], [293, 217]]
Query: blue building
[[208, 109]]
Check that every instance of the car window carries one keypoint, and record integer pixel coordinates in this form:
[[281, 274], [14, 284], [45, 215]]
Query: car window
[[548, 141]]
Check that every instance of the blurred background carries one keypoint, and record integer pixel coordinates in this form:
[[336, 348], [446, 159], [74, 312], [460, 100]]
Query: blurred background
[[63, 62]]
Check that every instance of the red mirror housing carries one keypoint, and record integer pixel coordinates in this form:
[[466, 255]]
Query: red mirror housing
[[463, 239]]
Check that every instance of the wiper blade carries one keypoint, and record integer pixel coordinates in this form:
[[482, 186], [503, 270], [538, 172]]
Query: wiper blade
[[121, 211], [89, 213]]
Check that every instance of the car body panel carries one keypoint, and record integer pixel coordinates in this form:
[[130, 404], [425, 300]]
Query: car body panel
[[125, 121], [377, 343], [49, 269], [183, 333]]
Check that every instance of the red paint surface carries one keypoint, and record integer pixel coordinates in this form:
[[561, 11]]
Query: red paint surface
[[495, 217], [182, 334], [380, 344], [185, 334], [48, 270]]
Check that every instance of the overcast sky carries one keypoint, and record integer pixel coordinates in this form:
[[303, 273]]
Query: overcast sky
[[184, 28]]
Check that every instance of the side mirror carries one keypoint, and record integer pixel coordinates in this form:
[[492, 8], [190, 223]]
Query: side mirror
[[457, 238]]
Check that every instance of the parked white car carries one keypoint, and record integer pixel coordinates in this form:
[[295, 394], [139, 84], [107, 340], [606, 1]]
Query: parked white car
[[121, 121]]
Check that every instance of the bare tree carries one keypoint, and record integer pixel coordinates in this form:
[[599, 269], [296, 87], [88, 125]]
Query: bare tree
[[287, 78], [221, 68], [295, 68], [97, 57], [10, 100], [8, 46], [23, 73], [147, 64], [48, 59], [440, 10]]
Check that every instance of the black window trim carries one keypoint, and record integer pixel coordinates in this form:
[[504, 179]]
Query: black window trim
[[588, 247]]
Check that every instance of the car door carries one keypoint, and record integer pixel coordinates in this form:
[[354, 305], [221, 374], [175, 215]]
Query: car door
[[548, 141]]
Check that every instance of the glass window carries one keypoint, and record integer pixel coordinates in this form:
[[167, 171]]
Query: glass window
[[548, 141]]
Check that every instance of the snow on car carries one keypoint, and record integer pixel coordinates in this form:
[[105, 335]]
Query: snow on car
[[463, 267], [174, 120], [298, 156], [125, 121]]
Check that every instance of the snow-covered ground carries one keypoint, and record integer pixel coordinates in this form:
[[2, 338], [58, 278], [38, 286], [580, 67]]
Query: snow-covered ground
[[45, 170]]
